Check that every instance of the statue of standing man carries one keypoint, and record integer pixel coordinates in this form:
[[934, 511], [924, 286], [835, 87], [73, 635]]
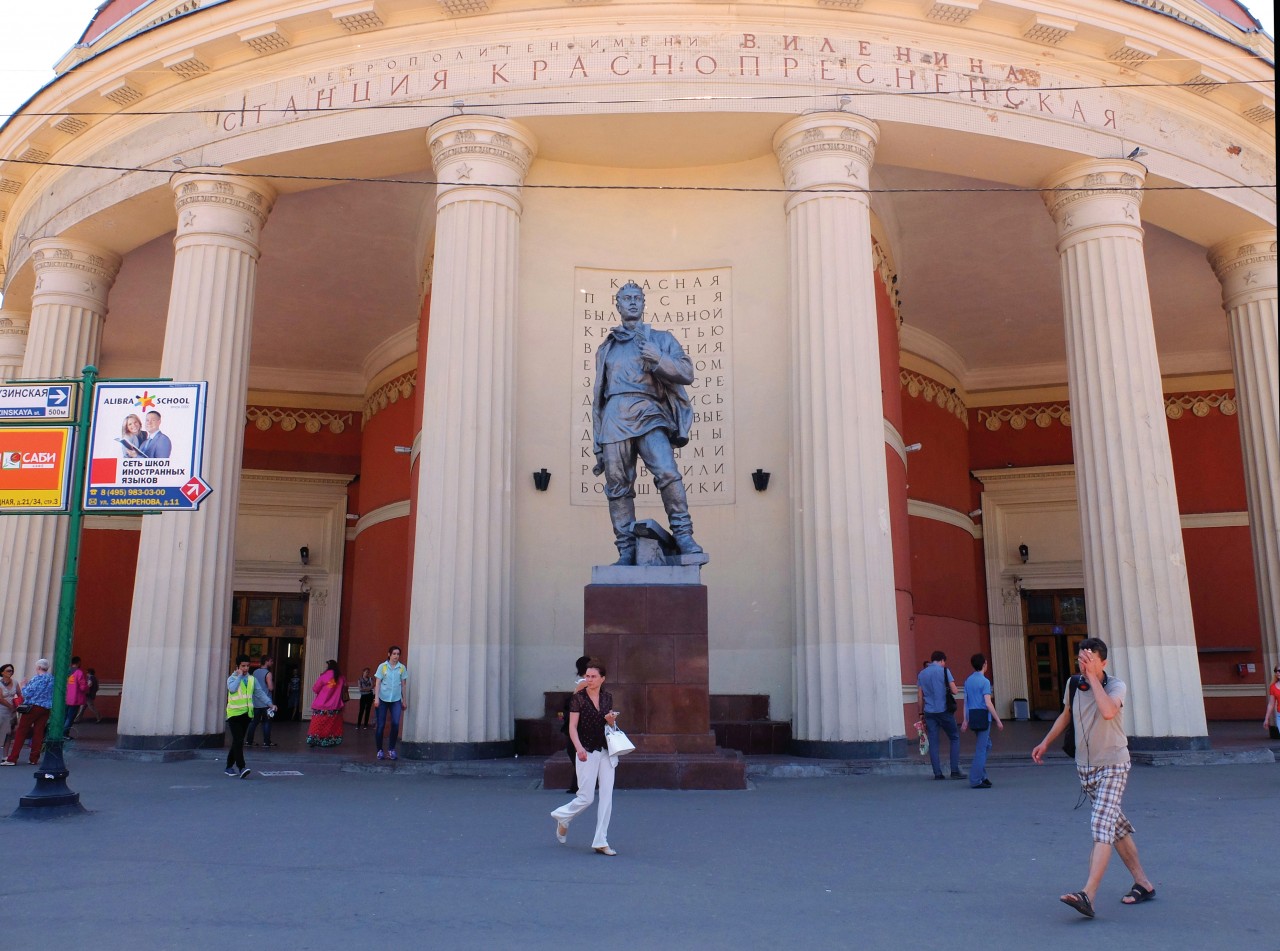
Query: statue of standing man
[[639, 408]]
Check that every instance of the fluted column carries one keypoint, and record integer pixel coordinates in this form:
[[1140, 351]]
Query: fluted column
[[176, 665], [1134, 566], [67, 311], [847, 665], [1246, 266], [460, 612], [14, 327]]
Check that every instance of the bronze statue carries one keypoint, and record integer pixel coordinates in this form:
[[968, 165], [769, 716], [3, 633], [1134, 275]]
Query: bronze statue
[[639, 407]]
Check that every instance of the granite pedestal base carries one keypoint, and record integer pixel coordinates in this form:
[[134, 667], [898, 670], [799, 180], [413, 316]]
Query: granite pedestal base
[[651, 636]]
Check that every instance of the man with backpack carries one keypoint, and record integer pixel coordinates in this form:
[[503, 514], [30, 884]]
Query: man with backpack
[[1092, 708]]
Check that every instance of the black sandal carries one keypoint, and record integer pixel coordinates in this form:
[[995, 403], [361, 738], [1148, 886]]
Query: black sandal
[[1080, 902], [1138, 894]]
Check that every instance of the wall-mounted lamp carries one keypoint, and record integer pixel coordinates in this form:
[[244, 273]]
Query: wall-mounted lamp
[[914, 447], [541, 479], [403, 450], [305, 554], [760, 479], [352, 517], [1024, 553], [975, 513]]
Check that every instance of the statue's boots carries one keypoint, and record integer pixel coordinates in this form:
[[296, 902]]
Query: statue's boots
[[677, 505], [622, 513]]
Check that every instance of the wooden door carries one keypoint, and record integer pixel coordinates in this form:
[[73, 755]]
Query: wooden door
[[1055, 622]]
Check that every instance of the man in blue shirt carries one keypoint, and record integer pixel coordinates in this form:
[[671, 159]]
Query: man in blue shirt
[[936, 685], [37, 693], [978, 709]]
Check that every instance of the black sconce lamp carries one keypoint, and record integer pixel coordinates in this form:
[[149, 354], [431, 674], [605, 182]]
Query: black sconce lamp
[[760, 479], [1024, 553], [305, 554], [541, 479]]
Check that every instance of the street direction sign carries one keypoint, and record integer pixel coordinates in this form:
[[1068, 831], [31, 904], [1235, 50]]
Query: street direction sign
[[36, 401]]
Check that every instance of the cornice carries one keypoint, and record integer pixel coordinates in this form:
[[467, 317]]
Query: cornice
[[401, 344]]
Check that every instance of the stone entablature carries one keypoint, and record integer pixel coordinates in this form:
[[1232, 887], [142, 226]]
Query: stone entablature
[[311, 421]]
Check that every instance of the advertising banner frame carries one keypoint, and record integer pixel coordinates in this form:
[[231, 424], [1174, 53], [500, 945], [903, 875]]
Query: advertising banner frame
[[12, 461]]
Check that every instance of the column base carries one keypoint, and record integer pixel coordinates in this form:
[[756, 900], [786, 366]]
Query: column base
[[495, 749], [1160, 744], [893, 748], [167, 742]]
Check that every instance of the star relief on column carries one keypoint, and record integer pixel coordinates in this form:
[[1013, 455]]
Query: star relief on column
[[1095, 192], [835, 149], [464, 172]]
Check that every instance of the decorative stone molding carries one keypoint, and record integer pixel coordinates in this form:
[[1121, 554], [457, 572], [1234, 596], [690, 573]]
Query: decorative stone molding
[[940, 513], [826, 151], [33, 154], [390, 392], [480, 158], [957, 11], [1131, 53], [264, 417], [1204, 81], [9, 187], [1246, 267], [14, 329], [1175, 407], [884, 268], [121, 92], [917, 386], [1261, 113], [358, 17], [186, 65], [1050, 31], [265, 39], [1018, 416], [842, 4], [69, 125], [463, 8]]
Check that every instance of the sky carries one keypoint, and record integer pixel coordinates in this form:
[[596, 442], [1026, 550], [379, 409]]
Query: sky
[[35, 34]]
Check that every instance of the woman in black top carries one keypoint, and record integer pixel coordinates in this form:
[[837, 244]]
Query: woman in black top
[[590, 709]]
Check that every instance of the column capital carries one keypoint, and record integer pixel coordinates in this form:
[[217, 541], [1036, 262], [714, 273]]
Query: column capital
[[14, 327], [73, 273], [220, 206], [1095, 194], [1246, 267], [825, 151], [480, 158]]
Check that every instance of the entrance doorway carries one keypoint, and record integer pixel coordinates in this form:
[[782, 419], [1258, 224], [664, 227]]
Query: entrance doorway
[[1055, 622], [268, 624]]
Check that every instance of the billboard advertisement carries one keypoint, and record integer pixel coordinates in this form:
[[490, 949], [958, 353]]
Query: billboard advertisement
[[35, 468], [146, 444]]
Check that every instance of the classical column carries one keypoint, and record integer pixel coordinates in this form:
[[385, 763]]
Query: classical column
[[176, 665], [1134, 567], [14, 326], [848, 669], [459, 654], [67, 311], [1246, 266]]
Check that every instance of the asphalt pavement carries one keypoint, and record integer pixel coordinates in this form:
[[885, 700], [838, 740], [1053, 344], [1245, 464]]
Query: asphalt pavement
[[320, 851]]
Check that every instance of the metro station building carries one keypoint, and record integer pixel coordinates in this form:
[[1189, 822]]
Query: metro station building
[[986, 287]]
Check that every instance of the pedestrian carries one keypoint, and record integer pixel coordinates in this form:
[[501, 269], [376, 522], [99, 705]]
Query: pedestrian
[[366, 700], [390, 700], [580, 665], [330, 689], [264, 707], [1271, 719], [937, 711], [240, 687], [10, 694], [77, 694], [37, 698], [979, 714], [91, 698], [590, 710], [1092, 707]]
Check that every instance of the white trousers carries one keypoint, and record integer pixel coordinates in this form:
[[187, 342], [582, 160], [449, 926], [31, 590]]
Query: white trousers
[[598, 766]]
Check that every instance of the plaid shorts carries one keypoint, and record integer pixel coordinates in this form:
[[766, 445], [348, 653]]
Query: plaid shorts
[[1104, 786]]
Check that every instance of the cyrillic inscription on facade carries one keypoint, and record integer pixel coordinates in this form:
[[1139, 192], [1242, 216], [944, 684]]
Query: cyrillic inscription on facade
[[694, 306]]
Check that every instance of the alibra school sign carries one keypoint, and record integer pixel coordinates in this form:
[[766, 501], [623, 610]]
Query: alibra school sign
[[146, 446], [35, 468]]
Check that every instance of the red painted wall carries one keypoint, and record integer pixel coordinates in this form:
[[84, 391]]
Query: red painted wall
[[1208, 463], [301, 451], [104, 602]]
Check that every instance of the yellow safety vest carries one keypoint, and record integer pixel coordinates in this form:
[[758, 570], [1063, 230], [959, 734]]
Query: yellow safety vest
[[240, 701]]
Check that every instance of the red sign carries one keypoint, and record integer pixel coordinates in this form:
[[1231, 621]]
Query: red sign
[[35, 466]]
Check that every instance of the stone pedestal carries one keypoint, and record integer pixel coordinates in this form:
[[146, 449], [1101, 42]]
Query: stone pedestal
[[652, 640]]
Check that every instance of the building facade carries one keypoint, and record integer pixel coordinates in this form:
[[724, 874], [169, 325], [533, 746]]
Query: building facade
[[987, 288]]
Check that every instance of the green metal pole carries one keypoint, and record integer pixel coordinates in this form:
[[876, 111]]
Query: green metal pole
[[51, 795]]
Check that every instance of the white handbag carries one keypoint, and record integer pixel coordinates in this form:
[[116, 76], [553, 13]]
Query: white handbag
[[617, 741]]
